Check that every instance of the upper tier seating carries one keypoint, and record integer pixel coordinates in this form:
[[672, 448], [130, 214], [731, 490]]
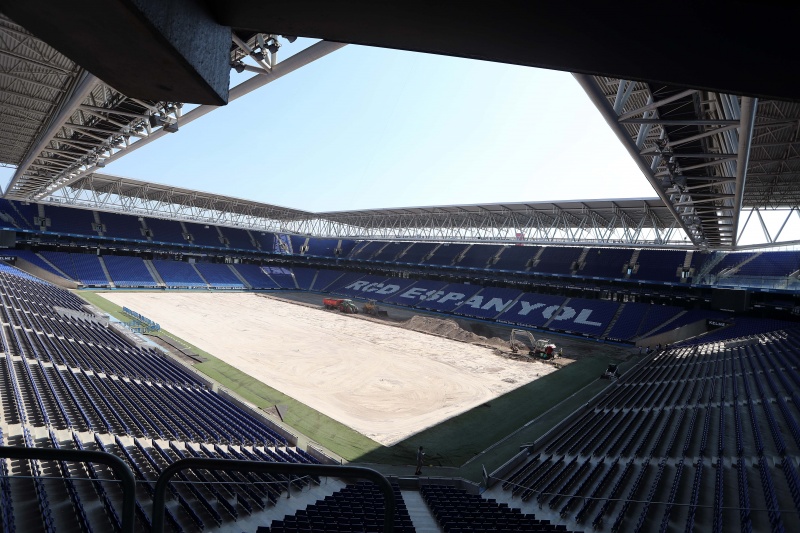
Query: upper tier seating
[[169, 231], [446, 254], [606, 262], [203, 234], [70, 220], [417, 252], [122, 226], [265, 240], [556, 260], [323, 247], [731, 260], [238, 239], [771, 264], [660, 265], [478, 256], [516, 258], [389, 252]]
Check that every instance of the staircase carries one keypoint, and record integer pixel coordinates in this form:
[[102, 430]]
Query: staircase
[[105, 271], [580, 261], [253, 240], [401, 254], [431, 253], [734, 269], [143, 229], [670, 321], [153, 272], [558, 311], [186, 235], [459, 257], [98, 223], [201, 276], [241, 278], [709, 265], [222, 239], [61, 272], [536, 258], [420, 514], [613, 320], [496, 257], [632, 263]]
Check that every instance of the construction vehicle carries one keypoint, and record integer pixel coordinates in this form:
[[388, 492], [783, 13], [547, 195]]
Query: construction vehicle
[[610, 373], [372, 308], [541, 348], [345, 306]]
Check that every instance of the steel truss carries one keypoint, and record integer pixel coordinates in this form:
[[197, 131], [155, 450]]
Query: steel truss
[[641, 222], [96, 124], [706, 154]]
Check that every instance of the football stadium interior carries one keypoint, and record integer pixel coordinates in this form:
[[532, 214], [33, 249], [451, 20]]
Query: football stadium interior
[[167, 361]]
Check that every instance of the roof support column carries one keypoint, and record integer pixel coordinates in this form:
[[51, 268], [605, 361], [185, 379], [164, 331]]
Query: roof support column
[[748, 116]]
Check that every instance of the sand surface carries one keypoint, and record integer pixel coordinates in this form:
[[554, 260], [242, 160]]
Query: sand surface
[[385, 382]]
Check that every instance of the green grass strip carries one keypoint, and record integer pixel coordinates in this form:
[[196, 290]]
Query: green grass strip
[[333, 435]]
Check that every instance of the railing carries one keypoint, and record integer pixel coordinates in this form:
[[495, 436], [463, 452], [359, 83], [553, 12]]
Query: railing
[[85, 456], [159, 497], [140, 321]]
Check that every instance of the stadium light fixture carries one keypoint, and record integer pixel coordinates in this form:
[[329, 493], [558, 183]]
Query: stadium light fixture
[[290, 38], [238, 66], [273, 45]]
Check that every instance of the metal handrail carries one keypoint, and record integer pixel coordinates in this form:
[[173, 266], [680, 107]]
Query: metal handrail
[[159, 498], [86, 456]]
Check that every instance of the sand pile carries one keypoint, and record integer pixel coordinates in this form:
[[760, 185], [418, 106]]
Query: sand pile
[[450, 329]]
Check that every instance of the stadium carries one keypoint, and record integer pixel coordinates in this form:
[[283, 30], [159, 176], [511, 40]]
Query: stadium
[[189, 360]]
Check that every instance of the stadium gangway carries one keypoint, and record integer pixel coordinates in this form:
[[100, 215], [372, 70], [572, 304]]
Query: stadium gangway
[[290, 469], [84, 456]]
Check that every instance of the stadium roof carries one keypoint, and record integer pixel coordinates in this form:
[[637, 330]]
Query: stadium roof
[[706, 153], [630, 222]]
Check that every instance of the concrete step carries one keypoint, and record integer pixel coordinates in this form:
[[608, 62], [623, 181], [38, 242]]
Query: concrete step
[[420, 514]]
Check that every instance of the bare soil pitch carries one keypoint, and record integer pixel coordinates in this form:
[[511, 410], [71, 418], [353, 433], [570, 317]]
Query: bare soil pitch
[[385, 382]]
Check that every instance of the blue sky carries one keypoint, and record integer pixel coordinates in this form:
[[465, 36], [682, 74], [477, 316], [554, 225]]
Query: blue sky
[[369, 128]]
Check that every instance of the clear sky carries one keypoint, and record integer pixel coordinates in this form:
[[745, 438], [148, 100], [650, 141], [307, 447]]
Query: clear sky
[[373, 128], [370, 128]]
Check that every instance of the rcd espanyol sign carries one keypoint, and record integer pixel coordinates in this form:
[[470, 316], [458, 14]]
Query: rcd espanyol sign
[[526, 306]]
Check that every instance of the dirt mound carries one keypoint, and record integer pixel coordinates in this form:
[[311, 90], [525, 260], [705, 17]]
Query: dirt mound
[[450, 329]]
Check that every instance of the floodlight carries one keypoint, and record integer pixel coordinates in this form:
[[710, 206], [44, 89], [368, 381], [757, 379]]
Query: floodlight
[[258, 56], [273, 45], [238, 66], [156, 120], [290, 38]]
